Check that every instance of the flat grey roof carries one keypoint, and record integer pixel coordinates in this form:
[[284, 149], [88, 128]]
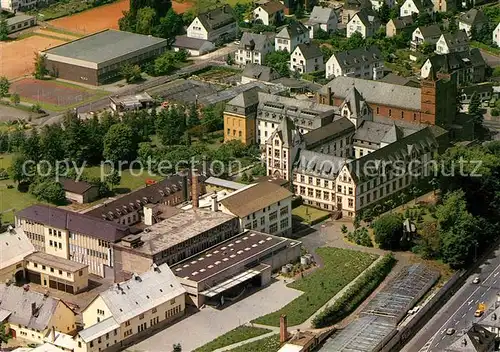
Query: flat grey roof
[[215, 181], [104, 46], [55, 262], [18, 19]]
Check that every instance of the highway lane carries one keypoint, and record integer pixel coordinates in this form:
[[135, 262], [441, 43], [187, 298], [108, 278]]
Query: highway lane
[[458, 312]]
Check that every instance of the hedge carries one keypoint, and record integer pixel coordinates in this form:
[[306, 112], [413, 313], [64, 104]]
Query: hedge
[[356, 294]]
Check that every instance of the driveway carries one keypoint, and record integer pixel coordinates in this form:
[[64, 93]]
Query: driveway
[[207, 324], [490, 59], [8, 113]]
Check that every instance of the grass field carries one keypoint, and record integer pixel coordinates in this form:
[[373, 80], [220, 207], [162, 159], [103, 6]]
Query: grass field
[[309, 214], [241, 333], [268, 344], [341, 266], [128, 181]]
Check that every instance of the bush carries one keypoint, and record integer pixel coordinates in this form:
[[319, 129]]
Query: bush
[[356, 294], [388, 230], [360, 236], [495, 112]]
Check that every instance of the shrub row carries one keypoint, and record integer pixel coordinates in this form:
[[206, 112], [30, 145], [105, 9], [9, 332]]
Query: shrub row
[[356, 294]]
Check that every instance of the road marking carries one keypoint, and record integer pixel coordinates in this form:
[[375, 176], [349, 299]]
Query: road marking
[[456, 323], [470, 308], [463, 315], [494, 282], [496, 274], [489, 288], [483, 293], [470, 302]]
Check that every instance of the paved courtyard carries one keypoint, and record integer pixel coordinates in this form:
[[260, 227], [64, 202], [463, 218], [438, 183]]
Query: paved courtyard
[[207, 324], [8, 113]]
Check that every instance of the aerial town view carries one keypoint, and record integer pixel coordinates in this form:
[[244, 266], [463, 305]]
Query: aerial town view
[[250, 175]]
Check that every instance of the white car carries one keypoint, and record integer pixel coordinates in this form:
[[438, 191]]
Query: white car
[[476, 280], [450, 331]]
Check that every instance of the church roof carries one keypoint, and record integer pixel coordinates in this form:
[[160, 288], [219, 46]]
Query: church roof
[[394, 134]]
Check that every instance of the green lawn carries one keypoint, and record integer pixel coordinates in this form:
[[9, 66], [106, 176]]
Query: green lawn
[[129, 181], [13, 200], [309, 214], [268, 344], [490, 49], [5, 160], [241, 333], [341, 266]]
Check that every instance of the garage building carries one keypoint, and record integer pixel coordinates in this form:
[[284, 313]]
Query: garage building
[[98, 58]]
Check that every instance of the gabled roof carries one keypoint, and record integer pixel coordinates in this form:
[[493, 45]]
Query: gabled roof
[[142, 293], [367, 16], [101, 328], [217, 18], [337, 127], [321, 15], [430, 31], [255, 41], [309, 51], [356, 4], [455, 39], [393, 135], [293, 30], [183, 41], [355, 102], [423, 4], [272, 7], [473, 17], [359, 56], [448, 63], [78, 187], [251, 199], [262, 73], [14, 246], [247, 98], [288, 133], [402, 22], [374, 132], [28, 308], [319, 164]]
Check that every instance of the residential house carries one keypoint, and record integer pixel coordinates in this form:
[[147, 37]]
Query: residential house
[[131, 310], [396, 26], [66, 234], [452, 43], [323, 18], [254, 72], [271, 13], [377, 4], [18, 5], [496, 35], [364, 62], [253, 48], [351, 7], [418, 7], [194, 46], [263, 206], [473, 18], [366, 22], [240, 115], [425, 34], [30, 315], [214, 25], [307, 58], [476, 339], [444, 5], [465, 66], [79, 191], [19, 22], [14, 247], [290, 36]]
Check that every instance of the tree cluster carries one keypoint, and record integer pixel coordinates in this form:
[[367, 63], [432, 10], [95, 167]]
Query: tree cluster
[[4, 29], [279, 60]]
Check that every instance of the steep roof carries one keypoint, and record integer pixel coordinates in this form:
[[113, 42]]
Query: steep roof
[[455, 39], [99, 329], [78, 187], [430, 31], [319, 164], [14, 246], [28, 308], [374, 132], [321, 15], [393, 78], [292, 30], [356, 4], [245, 99], [402, 22], [251, 199], [217, 18], [74, 222], [255, 41], [183, 41], [337, 127], [309, 51], [272, 7], [376, 92], [473, 17], [260, 72], [448, 63], [142, 293], [394, 134], [423, 4], [359, 56], [367, 16]]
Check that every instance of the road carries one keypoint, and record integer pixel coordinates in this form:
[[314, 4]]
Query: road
[[458, 312]]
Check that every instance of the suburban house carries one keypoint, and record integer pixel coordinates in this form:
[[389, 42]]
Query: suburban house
[[14, 247], [323, 18], [263, 206], [19, 22], [465, 66], [31, 316], [396, 26], [444, 5], [132, 309], [365, 63], [254, 72], [194, 46], [253, 48], [351, 7], [452, 43], [271, 13], [18, 5], [418, 7], [240, 115], [473, 18], [425, 34], [307, 58], [79, 191], [214, 25], [290, 36], [496, 35], [365, 22]]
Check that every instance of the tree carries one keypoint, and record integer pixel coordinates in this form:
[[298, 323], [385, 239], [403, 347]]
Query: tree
[[4, 29], [31, 147], [452, 24], [49, 190], [424, 19], [193, 116], [131, 73], [165, 64], [114, 178], [176, 347], [51, 147], [4, 334], [426, 48], [429, 241], [388, 230], [384, 13], [299, 11], [171, 126], [475, 108], [15, 98], [170, 25], [4, 86], [20, 170], [279, 61], [213, 117], [145, 20], [343, 229], [40, 63], [229, 60], [119, 144]]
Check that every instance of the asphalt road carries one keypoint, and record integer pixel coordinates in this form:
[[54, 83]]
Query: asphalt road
[[458, 312]]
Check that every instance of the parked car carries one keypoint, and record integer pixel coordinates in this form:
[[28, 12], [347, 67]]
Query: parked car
[[476, 280], [450, 331]]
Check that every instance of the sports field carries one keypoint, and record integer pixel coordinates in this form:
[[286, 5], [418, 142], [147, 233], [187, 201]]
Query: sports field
[[16, 57]]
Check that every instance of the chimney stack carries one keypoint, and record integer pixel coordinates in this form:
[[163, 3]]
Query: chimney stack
[[283, 329], [329, 96], [195, 188], [33, 308], [215, 205], [52, 334]]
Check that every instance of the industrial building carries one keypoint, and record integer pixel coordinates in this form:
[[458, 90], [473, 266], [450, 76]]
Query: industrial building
[[224, 271], [98, 58]]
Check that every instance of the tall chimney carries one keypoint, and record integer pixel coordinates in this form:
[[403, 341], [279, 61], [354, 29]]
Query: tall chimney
[[215, 205], [283, 329], [329, 96], [33, 308], [52, 334], [195, 188]]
